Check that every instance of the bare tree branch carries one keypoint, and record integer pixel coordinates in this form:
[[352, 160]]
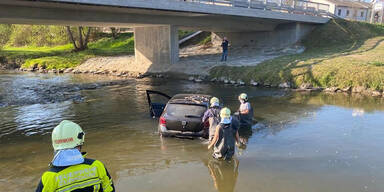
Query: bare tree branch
[[87, 37], [71, 37], [81, 43]]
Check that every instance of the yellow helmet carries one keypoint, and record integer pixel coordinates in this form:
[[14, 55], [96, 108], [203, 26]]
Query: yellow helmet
[[214, 101], [67, 135], [243, 96], [225, 113]]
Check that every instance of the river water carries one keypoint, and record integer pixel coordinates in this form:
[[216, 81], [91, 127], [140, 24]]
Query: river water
[[303, 143]]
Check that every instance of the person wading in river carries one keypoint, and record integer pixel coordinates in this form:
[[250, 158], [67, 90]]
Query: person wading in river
[[226, 136], [245, 111], [213, 116], [70, 170]]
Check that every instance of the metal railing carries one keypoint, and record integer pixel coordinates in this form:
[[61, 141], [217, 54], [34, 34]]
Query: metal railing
[[290, 6]]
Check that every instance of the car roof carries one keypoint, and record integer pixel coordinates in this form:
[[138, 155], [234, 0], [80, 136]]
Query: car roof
[[194, 99]]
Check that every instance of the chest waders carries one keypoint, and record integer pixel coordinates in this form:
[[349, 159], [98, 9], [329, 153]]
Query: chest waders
[[224, 148]]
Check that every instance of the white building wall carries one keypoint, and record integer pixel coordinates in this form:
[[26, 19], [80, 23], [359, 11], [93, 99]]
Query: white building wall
[[331, 5], [352, 13], [362, 15]]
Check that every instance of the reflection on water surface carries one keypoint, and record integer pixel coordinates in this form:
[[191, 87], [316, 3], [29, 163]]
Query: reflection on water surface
[[305, 142]]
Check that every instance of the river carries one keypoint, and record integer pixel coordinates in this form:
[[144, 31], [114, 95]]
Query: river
[[304, 142]]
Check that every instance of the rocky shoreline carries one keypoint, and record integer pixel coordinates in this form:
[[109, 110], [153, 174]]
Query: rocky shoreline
[[124, 74], [305, 87]]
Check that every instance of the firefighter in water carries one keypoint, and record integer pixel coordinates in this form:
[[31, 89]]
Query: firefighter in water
[[69, 169], [212, 115]]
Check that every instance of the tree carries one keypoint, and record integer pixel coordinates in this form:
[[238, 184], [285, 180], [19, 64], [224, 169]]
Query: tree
[[5, 32], [81, 42], [36, 36], [115, 31]]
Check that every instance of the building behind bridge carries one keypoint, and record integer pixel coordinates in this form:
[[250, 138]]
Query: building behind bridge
[[348, 9]]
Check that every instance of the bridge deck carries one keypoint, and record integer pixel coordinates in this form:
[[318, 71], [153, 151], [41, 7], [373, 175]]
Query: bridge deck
[[297, 10], [134, 13]]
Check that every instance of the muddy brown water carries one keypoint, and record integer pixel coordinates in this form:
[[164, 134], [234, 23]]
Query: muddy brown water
[[304, 143]]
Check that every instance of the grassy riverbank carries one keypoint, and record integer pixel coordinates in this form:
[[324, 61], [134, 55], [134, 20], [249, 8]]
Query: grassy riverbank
[[60, 57], [339, 54]]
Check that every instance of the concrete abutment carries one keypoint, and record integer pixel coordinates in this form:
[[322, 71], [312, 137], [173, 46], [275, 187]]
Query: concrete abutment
[[156, 47], [284, 35]]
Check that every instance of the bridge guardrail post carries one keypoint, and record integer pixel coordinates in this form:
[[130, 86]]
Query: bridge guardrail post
[[291, 6]]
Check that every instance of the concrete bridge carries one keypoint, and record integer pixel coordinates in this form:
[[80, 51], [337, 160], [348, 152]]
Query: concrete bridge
[[155, 22]]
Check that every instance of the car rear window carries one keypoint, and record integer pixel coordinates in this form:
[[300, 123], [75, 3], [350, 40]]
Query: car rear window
[[185, 110]]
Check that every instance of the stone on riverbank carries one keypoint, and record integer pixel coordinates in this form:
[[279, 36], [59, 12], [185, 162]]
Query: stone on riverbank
[[68, 70], [347, 89], [253, 83], [42, 70], [285, 85], [376, 93], [306, 86], [240, 82], [331, 89], [265, 84], [358, 89]]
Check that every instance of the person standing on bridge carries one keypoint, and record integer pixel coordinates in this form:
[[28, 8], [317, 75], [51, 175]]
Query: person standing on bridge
[[70, 170], [224, 45]]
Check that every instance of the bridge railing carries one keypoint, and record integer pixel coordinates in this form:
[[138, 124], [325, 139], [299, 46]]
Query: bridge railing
[[290, 6]]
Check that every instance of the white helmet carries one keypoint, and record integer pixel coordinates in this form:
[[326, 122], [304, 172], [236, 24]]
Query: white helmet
[[225, 113], [214, 101], [243, 96], [67, 135]]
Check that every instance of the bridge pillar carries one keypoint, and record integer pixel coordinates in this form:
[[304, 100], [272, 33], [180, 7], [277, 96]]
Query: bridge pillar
[[156, 47], [284, 35]]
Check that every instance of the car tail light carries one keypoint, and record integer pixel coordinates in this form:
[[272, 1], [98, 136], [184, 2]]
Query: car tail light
[[162, 121]]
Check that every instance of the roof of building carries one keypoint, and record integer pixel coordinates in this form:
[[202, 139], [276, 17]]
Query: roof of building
[[348, 3]]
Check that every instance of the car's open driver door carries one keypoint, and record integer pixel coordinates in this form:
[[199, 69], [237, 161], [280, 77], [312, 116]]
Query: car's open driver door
[[156, 108]]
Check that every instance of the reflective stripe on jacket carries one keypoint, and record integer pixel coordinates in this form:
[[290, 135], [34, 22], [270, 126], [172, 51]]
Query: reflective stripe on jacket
[[91, 175]]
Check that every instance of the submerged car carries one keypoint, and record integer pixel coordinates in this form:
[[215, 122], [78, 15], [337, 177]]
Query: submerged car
[[181, 115]]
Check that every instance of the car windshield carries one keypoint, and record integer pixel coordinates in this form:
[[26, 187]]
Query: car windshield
[[185, 110]]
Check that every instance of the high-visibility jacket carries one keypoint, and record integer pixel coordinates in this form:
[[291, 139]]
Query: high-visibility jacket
[[91, 175]]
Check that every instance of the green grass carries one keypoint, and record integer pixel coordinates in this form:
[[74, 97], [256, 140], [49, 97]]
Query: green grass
[[33, 52], [206, 40], [184, 33], [339, 54], [61, 57]]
